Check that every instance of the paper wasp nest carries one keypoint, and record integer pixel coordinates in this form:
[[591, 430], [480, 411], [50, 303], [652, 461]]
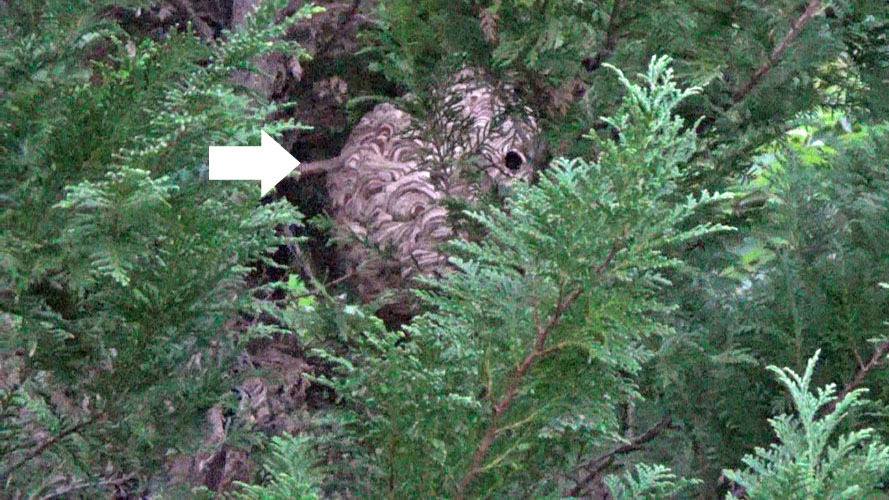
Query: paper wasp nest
[[394, 173]]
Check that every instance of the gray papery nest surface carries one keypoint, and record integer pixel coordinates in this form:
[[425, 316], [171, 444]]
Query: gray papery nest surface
[[388, 186]]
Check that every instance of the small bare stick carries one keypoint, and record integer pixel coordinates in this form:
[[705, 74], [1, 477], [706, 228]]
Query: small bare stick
[[317, 167]]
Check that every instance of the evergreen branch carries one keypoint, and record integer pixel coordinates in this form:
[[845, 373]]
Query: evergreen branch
[[305, 263], [875, 361], [618, 245], [65, 490], [538, 351], [814, 8], [559, 347], [322, 291], [503, 405], [598, 465], [520, 423], [42, 447], [593, 63]]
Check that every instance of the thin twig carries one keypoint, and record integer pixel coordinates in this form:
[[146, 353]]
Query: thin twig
[[538, 350], [618, 245], [876, 361], [597, 465], [298, 255], [43, 447], [515, 381], [317, 167], [64, 490], [593, 63], [814, 8], [326, 286]]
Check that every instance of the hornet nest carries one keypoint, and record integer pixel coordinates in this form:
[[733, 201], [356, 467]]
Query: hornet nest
[[389, 185]]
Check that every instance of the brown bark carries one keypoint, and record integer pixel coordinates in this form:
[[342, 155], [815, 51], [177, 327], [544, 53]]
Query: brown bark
[[538, 351], [502, 406], [814, 8], [877, 360], [43, 446], [593, 63], [598, 465]]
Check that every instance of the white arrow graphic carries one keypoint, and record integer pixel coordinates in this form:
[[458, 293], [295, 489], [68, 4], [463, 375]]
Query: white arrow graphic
[[268, 163]]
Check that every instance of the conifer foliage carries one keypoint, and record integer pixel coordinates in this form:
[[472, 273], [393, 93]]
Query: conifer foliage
[[123, 268], [807, 462], [533, 342], [289, 468], [600, 330]]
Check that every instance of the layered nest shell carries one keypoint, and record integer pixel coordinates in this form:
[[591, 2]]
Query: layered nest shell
[[396, 172]]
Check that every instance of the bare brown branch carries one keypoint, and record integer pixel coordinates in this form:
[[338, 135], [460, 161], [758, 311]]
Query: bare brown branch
[[598, 465], [502, 406], [317, 167], [323, 290], [593, 63], [618, 245], [538, 350], [82, 485], [43, 446], [877, 360], [814, 8]]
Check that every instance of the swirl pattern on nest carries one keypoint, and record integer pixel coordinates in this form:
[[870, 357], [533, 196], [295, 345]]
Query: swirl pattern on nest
[[387, 196]]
